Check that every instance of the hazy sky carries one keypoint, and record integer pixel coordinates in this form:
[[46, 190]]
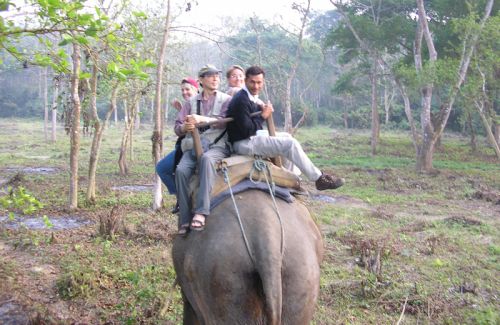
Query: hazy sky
[[207, 12]]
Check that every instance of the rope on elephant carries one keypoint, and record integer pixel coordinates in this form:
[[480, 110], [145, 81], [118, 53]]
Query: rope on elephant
[[261, 166], [226, 180]]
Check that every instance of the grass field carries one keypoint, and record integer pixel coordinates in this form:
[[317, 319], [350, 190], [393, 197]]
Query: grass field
[[400, 246]]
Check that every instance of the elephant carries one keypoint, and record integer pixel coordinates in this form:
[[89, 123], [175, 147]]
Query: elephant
[[278, 283]]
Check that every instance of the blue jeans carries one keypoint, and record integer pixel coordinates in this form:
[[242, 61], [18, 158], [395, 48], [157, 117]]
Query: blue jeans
[[165, 169]]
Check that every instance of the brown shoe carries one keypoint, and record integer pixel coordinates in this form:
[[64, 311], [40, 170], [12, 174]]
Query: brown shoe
[[328, 182]]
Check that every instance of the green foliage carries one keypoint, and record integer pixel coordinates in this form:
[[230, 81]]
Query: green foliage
[[280, 48], [387, 30], [118, 45], [486, 316], [19, 200], [131, 278], [494, 250], [4, 6], [143, 284], [47, 222]]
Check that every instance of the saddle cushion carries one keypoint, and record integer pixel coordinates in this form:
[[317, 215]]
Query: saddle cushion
[[239, 168], [279, 192]]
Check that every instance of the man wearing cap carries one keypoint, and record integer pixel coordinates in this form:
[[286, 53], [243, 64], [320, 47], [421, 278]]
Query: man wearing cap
[[165, 168], [207, 106], [242, 132]]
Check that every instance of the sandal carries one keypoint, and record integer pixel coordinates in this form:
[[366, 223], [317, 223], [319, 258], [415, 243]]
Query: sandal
[[183, 230], [198, 222]]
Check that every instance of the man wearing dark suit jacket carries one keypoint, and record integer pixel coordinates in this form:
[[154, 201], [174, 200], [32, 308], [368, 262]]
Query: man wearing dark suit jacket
[[242, 132]]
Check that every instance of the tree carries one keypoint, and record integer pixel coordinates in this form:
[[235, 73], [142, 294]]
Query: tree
[[304, 19], [76, 25], [480, 90], [369, 31], [426, 70], [75, 128], [279, 57], [157, 138], [432, 131], [114, 72], [137, 89]]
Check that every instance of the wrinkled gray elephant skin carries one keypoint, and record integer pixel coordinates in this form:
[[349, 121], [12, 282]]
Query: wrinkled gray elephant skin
[[221, 284]]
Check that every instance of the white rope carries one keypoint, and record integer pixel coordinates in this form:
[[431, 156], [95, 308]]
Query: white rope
[[226, 180], [261, 166]]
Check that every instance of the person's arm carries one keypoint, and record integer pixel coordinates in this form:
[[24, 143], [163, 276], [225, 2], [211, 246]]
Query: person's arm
[[209, 119], [223, 114], [177, 104], [181, 125], [246, 125]]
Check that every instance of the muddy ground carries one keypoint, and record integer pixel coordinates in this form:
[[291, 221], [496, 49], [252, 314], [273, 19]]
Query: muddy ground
[[435, 238]]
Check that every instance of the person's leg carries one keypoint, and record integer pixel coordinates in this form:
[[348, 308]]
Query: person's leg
[[290, 149], [207, 174], [165, 169], [287, 164], [243, 147], [183, 174]]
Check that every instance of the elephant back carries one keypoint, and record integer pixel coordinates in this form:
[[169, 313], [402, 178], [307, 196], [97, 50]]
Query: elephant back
[[275, 278]]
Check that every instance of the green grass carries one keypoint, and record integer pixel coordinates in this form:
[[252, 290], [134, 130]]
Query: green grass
[[434, 236], [143, 277]]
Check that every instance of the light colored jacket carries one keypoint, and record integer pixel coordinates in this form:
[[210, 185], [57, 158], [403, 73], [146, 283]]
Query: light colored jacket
[[209, 136]]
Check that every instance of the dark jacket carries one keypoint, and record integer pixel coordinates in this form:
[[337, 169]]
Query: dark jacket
[[244, 125]]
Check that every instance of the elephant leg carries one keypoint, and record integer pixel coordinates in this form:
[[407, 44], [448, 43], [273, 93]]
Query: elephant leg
[[189, 316]]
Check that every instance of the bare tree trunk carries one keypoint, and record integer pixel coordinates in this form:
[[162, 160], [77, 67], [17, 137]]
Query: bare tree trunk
[[346, 111], [303, 91], [96, 143], [131, 138], [426, 149], [375, 115], [293, 71], [425, 155], [157, 138], [67, 108], [96, 122], [480, 105], [288, 106], [469, 44], [487, 127], [98, 126], [388, 100], [167, 105], [128, 125], [125, 111], [115, 113], [55, 99], [122, 160], [473, 142], [152, 109], [75, 129], [409, 116], [137, 123], [497, 132], [386, 105], [43, 76]]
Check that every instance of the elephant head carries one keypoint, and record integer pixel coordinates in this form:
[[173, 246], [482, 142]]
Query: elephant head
[[274, 280]]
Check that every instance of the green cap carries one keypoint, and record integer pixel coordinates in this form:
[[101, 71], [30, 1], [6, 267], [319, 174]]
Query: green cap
[[208, 70]]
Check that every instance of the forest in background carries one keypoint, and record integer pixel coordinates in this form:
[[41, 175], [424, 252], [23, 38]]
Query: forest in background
[[331, 81], [421, 66], [413, 237]]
